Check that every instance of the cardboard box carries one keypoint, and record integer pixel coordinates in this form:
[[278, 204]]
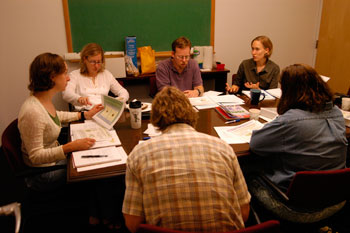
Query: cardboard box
[[131, 49]]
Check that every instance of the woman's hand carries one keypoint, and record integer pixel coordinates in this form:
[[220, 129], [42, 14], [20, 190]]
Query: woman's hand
[[79, 144], [252, 85], [232, 89], [89, 114], [84, 101]]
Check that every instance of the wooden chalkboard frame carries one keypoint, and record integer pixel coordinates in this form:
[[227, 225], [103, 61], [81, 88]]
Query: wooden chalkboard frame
[[158, 53]]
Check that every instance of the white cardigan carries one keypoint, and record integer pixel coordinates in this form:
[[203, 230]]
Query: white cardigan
[[39, 133], [82, 86]]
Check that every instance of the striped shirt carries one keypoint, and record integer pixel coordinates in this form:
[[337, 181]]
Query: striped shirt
[[186, 180]]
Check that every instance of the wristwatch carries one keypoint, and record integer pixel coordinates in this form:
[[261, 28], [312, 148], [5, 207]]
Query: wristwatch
[[82, 116]]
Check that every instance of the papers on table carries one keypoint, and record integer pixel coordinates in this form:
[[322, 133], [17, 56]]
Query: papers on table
[[103, 153], [275, 92], [97, 156], [267, 95], [346, 115], [90, 129], [213, 101], [268, 114], [212, 93], [152, 131], [113, 109], [325, 78], [117, 157], [238, 134]]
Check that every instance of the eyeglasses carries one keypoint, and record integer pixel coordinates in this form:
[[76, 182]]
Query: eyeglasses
[[95, 62], [183, 57]]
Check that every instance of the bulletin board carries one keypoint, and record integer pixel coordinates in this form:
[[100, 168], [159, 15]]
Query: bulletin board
[[154, 22]]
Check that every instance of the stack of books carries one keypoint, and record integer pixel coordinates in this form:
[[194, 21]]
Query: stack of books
[[231, 112]]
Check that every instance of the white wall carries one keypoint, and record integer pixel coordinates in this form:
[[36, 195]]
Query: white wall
[[28, 29], [36, 26], [292, 25]]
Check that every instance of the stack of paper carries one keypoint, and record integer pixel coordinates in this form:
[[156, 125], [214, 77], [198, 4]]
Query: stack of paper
[[90, 129], [97, 156], [346, 115], [238, 134], [103, 153], [267, 95], [268, 114], [212, 101]]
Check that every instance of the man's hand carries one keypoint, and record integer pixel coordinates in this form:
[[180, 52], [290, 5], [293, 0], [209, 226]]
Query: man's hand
[[191, 93]]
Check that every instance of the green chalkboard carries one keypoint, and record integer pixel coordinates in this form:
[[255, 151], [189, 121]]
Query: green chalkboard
[[154, 22]]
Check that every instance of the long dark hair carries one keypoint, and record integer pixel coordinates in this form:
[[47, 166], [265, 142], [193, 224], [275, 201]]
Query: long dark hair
[[303, 88]]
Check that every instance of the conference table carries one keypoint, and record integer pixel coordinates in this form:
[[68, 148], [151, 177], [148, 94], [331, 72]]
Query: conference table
[[208, 119]]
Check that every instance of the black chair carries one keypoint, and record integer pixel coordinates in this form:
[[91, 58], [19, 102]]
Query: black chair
[[11, 146], [36, 205], [312, 196]]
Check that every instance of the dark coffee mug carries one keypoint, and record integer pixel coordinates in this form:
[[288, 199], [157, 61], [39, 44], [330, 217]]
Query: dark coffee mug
[[255, 96]]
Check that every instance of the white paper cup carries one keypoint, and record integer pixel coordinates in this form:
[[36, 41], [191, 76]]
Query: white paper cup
[[254, 113], [345, 104]]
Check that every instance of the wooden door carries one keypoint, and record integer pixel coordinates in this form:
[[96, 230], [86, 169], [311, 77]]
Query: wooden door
[[333, 51]]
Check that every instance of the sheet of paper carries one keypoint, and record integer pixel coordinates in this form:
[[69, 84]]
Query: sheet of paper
[[325, 78], [227, 99], [267, 95], [238, 134], [105, 155], [276, 92], [152, 131], [212, 101], [212, 93], [77, 131], [122, 154], [113, 109]]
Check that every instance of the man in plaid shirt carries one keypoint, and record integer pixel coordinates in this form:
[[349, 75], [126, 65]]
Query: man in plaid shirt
[[183, 179]]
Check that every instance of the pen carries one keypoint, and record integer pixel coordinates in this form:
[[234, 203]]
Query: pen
[[93, 156], [233, 121], [146, 138]]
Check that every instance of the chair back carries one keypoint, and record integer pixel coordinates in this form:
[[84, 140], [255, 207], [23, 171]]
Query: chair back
[[11, 146], [319, 189], [271, 226], [153, 90]]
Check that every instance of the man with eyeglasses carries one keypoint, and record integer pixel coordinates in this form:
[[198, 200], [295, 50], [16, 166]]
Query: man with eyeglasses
[[180, 70]]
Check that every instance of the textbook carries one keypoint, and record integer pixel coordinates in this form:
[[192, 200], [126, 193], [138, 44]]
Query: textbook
[[230, 112]]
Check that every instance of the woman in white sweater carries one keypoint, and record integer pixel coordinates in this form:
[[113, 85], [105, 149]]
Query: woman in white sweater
[[40, 124], [92, 80]]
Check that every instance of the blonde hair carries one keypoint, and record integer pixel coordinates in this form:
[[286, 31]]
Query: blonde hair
[[171, 106], [91, 50], [266, 42]]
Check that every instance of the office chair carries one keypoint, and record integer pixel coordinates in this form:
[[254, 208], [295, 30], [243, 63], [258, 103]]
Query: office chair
[[11, 146], [312, 196], [152, 86], [34, 203], [271, 226]]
